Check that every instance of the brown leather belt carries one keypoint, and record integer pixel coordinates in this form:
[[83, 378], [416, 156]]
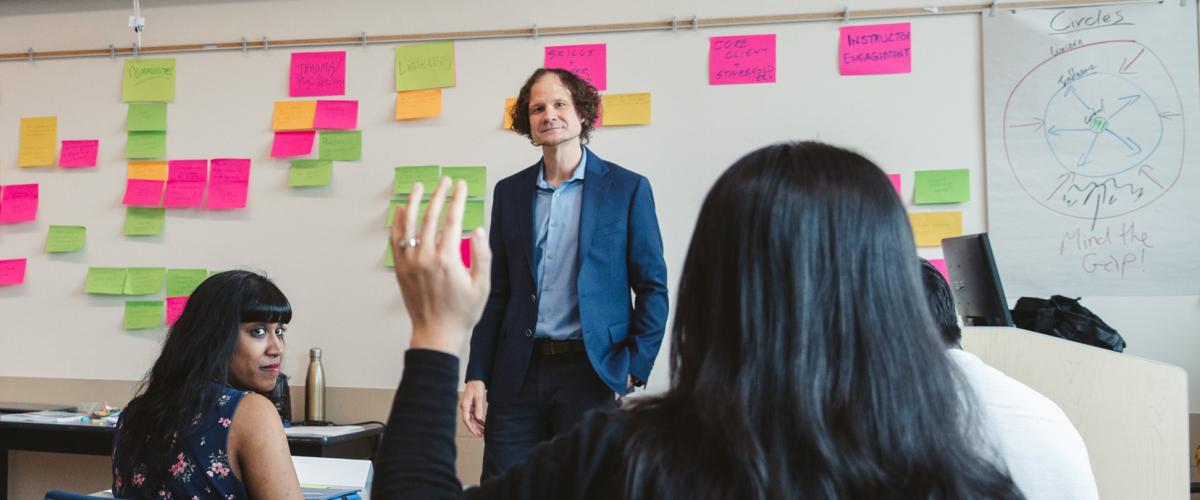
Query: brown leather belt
[[552, 347]]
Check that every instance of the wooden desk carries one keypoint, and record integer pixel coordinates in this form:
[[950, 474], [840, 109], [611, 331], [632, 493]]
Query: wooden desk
[[97, 440]]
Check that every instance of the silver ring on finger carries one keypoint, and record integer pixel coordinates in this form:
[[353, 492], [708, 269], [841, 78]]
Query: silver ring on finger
[[409, 243]]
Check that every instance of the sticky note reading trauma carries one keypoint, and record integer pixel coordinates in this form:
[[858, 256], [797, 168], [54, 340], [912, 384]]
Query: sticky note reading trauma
[[143, 314], [341, 115], [424, 66], [427, 175], [12, 271], [296, 143], [929, 228], [185, 183], [175, 307], [38, 137], [589, 62], [148, 80], [146, 117], [144, 280], [626, 109], [143, 193], [317, 73], [310, 173], [77, 154], [875, 49], [413, 104], [141, 145], [741, 59], [65, 239], [105, 281], [18, 203], [341, 145], [294, 115], [182, 282], [941, 186], [144, 221], [475, 177], [229, 183]]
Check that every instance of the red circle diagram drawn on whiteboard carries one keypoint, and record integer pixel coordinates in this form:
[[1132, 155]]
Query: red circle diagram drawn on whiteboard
[[1097, 131]]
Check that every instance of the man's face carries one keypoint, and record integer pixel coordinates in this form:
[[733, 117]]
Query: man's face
[[553, 120]]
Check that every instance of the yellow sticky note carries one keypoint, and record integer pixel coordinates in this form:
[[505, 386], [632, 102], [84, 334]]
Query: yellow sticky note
[[294, 115], [930, 227], [39, 136], [626, 109], [148, 170], [509, 104], [418, 104]]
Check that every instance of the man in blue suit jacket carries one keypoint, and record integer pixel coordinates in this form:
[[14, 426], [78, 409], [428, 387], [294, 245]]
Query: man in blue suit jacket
[[571, 236]]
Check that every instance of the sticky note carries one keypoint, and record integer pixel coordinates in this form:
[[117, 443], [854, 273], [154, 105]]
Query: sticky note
[[65, 239], [427, 175], [390, 260], [146, 116], [143, 314], [895, 178], [475, 177], [144, 221], [310, 173], [509, 104], [143, 193], [294, 115], [341, 145], [293, 143], [38, 137], [875, 49], [464, 251], [175, 306], [148, 170], [929, 228], [589, 62], [185, 183], [626, 109], [317, 73], [12, 271], [341, 115], [105, 281], [391, 215], [146, 145], [148, 80], [741, 59], [472, 215], [75, 154], [144, 280], [182, 282], [940, 265], [941, 186], [414, 104], [424, 66], [18, 203], [229, 183]]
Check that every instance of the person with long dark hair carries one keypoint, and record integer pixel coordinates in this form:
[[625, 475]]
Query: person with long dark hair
[[804, 362], [200, 426]]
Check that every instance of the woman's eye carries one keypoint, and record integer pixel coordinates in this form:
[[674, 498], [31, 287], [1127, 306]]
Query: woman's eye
[[258, 332], [280, 331]]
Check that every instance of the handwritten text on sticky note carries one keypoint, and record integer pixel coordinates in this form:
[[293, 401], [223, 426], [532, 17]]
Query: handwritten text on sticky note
[[413, 104], [185, 183], [18, 203], [229, 183], [741, 59], [12, 272], [589, 62], [317, 73], [38, 137], [336, 114], [77, 154], [929, 228], [425, 66], [875, 49], [293, 143]]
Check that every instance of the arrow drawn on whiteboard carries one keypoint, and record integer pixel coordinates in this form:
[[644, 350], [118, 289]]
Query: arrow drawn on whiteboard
[[1071, 90], [1067, 177], [1168, 115], [1054, 130], [1144, 170], [1127, 100], [1036, 124], [1125, 64], [1128, 142], [1085, 158]]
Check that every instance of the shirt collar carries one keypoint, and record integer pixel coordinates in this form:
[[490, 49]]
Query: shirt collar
[[579, 171]]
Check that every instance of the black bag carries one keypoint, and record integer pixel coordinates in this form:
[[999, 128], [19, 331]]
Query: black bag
[[1063, 317]]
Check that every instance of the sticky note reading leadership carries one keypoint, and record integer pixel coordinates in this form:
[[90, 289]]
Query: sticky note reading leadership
[[875, 49], [741, 59], [424, 66]]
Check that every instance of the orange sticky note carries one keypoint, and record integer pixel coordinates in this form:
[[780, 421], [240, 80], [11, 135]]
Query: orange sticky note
[[39, 140], [294, 115], [930, 227], [148, 170], [509, 104], [418, 104], [626, 109]]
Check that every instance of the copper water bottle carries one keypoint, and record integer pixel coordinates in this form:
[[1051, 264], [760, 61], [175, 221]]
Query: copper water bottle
[[314, 389]]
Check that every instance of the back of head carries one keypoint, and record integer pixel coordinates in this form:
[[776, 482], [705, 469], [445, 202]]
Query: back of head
[[804, 363], [941, 304]]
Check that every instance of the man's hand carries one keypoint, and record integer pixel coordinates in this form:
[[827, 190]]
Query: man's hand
[[472, 406]]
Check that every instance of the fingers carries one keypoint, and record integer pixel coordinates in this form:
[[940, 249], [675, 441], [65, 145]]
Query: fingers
[[465, 407], [481, 261], [433, 214], [451, 233], [477, 414], [405, 221]]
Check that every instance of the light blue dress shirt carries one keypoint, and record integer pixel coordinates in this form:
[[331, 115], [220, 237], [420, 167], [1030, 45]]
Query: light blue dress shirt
[[556, 252]]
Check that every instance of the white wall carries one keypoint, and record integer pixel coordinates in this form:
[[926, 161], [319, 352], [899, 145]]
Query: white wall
[[325, 247]]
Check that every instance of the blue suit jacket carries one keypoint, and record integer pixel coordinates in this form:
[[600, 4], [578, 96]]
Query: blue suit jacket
[[620, 249]]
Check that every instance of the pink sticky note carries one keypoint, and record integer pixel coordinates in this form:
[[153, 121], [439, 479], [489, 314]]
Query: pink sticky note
[[589, 62], [76, 154], [12, 272], [143, 193], [876, 49], [895, 178], [741, 59], [175, 307], [185, 183], [18, 203], [293, 143], [318, 73], [229, 181], [336, 115], [464, 249], [940, 264]]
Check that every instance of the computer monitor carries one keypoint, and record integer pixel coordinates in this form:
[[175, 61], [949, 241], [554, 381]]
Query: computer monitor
[[975, 282]]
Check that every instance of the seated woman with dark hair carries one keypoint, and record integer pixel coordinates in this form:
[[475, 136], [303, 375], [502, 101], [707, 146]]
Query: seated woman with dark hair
[[804, 361], [200, 427]]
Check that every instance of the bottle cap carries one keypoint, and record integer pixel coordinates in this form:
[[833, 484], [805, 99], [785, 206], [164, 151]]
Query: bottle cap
[[314, 353]]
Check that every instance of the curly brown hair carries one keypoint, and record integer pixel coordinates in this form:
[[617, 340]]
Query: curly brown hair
[[586, 100]]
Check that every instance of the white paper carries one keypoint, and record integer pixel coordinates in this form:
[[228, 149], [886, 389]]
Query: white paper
[[321, 431]]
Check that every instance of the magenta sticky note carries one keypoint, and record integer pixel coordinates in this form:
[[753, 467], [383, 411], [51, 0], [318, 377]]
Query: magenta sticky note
[[18, 203], [77, 154], [741, 59], [298, 143], [12, 272], [940, 264], [143, 193], [317, 73], [464, 250], [185, 183], [895, 178], [589, 62], [876, 49], [229, 180], [175, 307], [342, 115]]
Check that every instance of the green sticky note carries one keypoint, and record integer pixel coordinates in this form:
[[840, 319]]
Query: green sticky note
[[144, 221], [341, 145], [65, 239], [472, 215], [392, 211], [143, 314], [148, 80], [941, 186], [427, 175], [475, 177], [182, 282], [306, 173], [105, 281], [144, 280], [143, 145], [146, 116], [424, 66], [391, 259]]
